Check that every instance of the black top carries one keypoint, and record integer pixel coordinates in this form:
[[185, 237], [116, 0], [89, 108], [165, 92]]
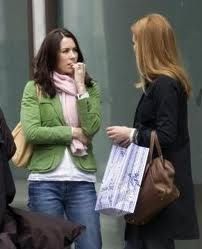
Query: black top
[[163, 107], [7, 149]]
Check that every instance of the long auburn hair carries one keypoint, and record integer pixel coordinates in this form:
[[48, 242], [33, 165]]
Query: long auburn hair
[[156, 51], [46, 60]]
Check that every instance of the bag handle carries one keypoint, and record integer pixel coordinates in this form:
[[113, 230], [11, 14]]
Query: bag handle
[[38, 91], [153, 141]]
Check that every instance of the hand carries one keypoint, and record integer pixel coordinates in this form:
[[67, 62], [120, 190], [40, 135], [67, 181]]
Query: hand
[[77, 133], [119, 135], [125, 143], [79, 76]]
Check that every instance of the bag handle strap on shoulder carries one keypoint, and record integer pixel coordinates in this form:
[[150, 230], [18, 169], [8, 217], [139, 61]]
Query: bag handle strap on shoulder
[[38, 91], [154, 141]]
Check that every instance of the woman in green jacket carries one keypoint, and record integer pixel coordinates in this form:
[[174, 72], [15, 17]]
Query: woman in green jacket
[[60, 114]]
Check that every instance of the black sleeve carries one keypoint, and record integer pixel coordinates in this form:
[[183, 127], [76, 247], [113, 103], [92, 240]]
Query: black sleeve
[[7, 149], [165, 100], [7, 137], [2, 185]]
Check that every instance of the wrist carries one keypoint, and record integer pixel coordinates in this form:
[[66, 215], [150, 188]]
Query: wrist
[[81, 90], [131, 135], [135, 134], [75, 132]]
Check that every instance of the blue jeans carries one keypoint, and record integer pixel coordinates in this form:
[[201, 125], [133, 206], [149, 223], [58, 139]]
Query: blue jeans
[[74, 200]]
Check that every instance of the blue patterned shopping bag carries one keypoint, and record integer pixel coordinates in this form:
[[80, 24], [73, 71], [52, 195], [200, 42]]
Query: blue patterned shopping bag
[[122, 180]]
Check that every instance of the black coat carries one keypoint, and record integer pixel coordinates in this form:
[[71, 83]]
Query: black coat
[[163, 107], [20, 229], [7, 149]]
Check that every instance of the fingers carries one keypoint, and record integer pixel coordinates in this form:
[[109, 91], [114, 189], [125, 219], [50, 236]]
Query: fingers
[[125, 143], [111, 131], [84, 139], [79, 67], [79, 76], [113, 134], [111, 128], [119, 135]]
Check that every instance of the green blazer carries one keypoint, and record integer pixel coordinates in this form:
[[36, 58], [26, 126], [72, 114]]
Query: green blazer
[[44, 127]]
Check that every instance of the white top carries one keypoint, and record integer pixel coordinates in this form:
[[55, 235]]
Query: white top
[[66, 170]]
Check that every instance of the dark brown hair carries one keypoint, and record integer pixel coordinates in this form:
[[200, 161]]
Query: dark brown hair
[[46, 60]]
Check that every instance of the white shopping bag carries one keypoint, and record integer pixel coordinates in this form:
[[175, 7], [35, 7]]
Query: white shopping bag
[[122, 180]]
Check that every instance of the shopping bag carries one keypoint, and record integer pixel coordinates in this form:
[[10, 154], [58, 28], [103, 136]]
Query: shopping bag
[[122, 180]]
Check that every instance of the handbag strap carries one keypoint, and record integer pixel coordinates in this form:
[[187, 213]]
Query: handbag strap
[[158, 146], [38, 92], [153, 141]]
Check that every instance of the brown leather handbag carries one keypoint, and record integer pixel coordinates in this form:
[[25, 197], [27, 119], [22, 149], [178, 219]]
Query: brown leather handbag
[[158, 189]]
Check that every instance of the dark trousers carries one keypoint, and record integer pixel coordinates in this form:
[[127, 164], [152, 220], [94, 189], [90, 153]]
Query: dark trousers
[[137, 239], [150, 244]]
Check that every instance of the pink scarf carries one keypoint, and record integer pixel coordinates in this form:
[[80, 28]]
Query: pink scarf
[[67, 91]]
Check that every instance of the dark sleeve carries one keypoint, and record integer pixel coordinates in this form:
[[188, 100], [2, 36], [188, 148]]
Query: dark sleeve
[[165, 101], [7, 149], [7, 137], [2, 200], [2, 184]]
